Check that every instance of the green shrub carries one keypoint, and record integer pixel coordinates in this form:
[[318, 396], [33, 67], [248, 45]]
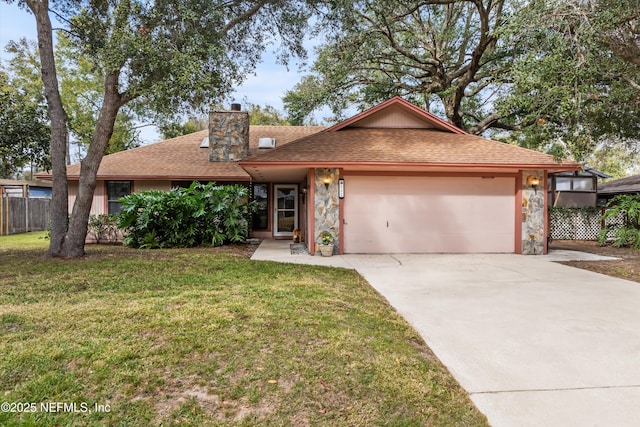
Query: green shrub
[[200, 215], [626, 234]]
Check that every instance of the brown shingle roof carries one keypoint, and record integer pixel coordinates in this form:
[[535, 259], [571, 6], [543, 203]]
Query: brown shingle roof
[[630, 185], [17, 182], [182, 158], [402, 146]]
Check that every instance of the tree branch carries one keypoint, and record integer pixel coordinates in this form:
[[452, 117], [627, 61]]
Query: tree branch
[[491, 121], [631, 82], [243, 17]]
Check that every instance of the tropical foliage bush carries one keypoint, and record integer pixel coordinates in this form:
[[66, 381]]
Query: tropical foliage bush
[[201, 215], [626, 234]]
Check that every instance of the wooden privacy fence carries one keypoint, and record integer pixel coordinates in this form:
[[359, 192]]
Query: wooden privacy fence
[[20, 215]]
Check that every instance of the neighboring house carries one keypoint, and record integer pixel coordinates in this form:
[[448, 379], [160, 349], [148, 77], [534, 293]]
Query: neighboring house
[[393, 179], [18, 188], [574, 189], [610, 189], [24, 206]]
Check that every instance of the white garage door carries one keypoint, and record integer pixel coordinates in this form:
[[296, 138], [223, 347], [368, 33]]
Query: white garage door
[[429, 214]]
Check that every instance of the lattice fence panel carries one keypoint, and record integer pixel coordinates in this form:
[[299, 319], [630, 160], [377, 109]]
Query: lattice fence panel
[[617, 220], [580, 225], [577, 225]]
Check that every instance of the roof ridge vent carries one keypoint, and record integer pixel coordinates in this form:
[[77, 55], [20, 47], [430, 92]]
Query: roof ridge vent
[[266, 143]]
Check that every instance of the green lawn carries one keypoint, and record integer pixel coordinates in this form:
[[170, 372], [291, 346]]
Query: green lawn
[[206, 337], [34, 240]]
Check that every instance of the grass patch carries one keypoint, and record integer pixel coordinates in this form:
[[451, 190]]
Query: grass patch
[[202, 337], [24, 241]]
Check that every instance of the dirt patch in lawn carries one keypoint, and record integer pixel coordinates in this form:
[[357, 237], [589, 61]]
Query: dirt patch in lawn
[[244, 250], [627, 267]]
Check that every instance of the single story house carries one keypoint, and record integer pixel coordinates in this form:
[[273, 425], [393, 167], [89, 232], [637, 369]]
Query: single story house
[[24, 206], [608, 190], [575, 189], [392, 179]]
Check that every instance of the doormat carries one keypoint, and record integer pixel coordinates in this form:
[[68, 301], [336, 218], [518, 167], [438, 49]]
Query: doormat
[[298, 249]]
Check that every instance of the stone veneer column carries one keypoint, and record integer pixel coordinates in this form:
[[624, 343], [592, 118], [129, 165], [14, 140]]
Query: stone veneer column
[[327, 206], [533, 214], [228, 135]]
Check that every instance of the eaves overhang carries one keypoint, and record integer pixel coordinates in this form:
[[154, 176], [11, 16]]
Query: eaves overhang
[[248, 165], [240, 178]]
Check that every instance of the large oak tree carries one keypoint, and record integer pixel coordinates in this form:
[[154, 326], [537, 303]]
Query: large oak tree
[[575, 87], [168, 54], [441, 54], [555, 75]]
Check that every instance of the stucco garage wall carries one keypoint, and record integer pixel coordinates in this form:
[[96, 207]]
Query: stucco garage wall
[[429, 214]]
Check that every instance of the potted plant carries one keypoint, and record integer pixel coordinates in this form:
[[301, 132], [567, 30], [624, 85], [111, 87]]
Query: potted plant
[[326, 245]]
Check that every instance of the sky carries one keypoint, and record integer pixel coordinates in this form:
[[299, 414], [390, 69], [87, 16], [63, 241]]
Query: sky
[[266, 86]]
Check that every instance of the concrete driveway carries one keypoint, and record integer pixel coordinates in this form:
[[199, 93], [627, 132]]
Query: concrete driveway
[[535, 343]]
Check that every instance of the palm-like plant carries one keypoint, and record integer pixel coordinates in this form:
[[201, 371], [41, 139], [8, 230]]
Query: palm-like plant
[[628, 232]]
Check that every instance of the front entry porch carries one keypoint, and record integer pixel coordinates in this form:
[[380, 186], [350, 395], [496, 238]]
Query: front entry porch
[[280, 211], [280, 251], [285, 210]]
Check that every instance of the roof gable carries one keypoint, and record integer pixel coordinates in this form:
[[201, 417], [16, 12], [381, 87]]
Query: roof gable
[[410, 147], [396, 113], [397, 134]]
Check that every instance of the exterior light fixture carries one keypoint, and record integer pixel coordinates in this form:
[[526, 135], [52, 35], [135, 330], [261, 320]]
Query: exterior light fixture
[[534, 181], [326, 181]]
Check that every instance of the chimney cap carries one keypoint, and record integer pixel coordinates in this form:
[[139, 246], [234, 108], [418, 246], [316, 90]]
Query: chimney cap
[[236, 107]]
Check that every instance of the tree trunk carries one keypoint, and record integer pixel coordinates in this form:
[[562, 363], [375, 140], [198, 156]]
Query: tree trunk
[[68, 237], [74, 242], [58, 116], [452, 111]]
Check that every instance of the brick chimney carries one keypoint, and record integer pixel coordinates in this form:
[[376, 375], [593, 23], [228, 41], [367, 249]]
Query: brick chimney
[[228, 134]]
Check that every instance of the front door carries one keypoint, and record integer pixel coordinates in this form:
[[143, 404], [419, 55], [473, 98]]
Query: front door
[[285, 204]]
